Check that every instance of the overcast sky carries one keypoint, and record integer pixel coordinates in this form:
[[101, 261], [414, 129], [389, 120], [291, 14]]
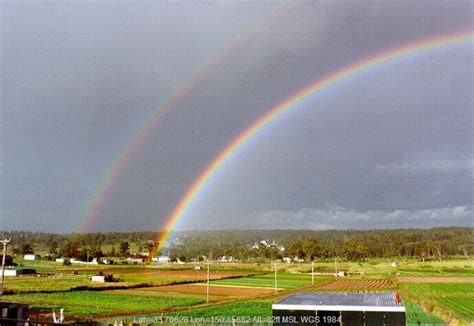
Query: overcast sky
[[390, 148]]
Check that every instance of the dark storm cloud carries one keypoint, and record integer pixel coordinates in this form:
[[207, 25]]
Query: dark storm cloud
[[82, 78]]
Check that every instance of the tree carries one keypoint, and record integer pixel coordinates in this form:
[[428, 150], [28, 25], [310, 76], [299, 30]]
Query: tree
[[310, 249], [438, 247], [124, 249], [296, 249], [27, 249], [355, 250], [112, 252], [140, 248], [421, 250], [70, 248], [151, 247], [53, 246]]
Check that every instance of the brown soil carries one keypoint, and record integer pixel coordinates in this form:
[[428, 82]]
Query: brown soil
[[358, 284], [436, 279], [216, 292], [214, 289]]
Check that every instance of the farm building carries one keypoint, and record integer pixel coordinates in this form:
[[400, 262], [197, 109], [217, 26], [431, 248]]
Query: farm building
[[339, 308], [102, 278], [164, 259], [8, 260], [29, 257], [11, 310], [19, 272]]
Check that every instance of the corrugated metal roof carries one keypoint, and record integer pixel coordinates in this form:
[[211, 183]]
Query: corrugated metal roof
[[341, 299]]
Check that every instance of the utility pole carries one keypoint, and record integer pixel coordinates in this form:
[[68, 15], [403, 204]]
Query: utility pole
[[335, 264], [276, 282], [312, 272], [208, 279], [4, 242], [88, 256]]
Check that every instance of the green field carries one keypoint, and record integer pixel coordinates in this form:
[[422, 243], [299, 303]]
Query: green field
[[455, 298], [57, 277], [251, 308], [442, 288], [416, 316], [259, 281], [449, 268], [284, 280], [462, 306], [87, 303], [30, 284], [69, 287]]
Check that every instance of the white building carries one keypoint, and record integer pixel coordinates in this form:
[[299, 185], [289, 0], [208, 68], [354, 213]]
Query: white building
[[75, 261], [135, 260], [19, 272], [164, 259], [287, 260], [98, 278], [226, 259], [29, 257]]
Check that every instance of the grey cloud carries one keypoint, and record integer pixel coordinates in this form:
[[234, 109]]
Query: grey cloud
[[442, 166], [341, 218]]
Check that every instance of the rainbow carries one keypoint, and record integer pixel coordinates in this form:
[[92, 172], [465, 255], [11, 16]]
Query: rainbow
[[288, 105], [184, 87]]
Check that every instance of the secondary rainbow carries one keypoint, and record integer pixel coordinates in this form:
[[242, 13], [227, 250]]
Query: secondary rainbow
[[143, 132], [288, 105]]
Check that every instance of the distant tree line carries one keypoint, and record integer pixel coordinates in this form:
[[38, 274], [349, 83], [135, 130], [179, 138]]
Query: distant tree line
[[79, 245], [245, 245], [307, 245]]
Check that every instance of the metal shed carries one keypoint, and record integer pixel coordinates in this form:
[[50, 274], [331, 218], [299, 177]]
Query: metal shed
[[339, 308]]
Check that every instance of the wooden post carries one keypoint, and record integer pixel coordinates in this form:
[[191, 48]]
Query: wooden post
[[276, 282], [208, 277], [4, 242]]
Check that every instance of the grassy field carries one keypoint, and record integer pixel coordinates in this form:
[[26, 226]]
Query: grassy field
[[455, 298], [150, 290], [442, 288], [460, 305], [28, 284], [251, 308], [88, 303], [447, 268], [284, 281], [57, 277]]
